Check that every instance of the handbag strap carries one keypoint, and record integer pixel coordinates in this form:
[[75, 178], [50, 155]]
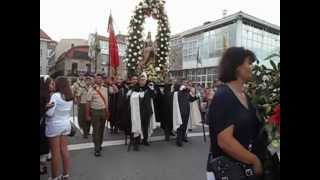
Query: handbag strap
[[42, 119], [103, 99]]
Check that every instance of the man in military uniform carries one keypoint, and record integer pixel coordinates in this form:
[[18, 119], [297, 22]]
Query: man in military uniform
[[75, 85], [97, 112], [81, 96]]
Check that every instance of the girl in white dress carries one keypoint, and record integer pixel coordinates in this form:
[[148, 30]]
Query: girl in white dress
[[58, 127]]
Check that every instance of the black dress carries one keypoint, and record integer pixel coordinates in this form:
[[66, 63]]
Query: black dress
[[226, 110]]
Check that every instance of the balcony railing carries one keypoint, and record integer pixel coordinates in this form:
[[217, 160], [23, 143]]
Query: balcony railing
[[77, 72]]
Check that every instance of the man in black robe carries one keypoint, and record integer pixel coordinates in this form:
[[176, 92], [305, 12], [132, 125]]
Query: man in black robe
[[145, 108], [158, 102], [184, 99], [167, 108], [113, 101], [124, 105]]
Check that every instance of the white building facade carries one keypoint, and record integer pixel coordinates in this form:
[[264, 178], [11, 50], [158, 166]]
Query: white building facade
[[47, 52], [206, 43], [102, 64]]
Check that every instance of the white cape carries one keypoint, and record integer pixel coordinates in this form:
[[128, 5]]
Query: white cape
[[177, 121], [152, 124], [135, 114], [195, 115], [136, 118]]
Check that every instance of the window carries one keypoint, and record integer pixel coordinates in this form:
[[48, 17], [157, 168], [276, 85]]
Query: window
[[88, 68], [249, 35], [74, 68], [203, 71], [80, 55], [48, 53], [104, 59], [103, 45]]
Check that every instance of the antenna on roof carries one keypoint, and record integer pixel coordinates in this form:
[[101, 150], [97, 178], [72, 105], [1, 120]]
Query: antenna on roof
[[224, 13]]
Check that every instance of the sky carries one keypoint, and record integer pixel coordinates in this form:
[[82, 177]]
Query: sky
[[77, 18]]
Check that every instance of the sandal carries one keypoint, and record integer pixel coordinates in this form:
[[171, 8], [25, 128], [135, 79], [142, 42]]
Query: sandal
[[65, 177], [56, 178], [43, 169]]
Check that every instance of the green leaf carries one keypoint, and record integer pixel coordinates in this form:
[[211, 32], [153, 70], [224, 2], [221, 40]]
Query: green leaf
[[273, 65], [272, 56]]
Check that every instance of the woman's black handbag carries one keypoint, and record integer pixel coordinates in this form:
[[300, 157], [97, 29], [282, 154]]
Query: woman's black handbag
[[73, 130], [225, 168]]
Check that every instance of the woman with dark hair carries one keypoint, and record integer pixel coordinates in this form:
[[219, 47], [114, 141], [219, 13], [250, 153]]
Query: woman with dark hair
[[58, 127], [233, 123], [46, 88]]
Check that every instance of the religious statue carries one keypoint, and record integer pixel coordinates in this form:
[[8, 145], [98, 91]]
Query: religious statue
[[149, 54]]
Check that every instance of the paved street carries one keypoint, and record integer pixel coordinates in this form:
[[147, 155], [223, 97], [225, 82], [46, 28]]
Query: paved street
[[162, 160]]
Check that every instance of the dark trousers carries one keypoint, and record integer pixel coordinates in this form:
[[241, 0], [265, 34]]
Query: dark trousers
[[44, 145], [145, 127], [167, 132], [98, 124], [181, 131], [83, 123]]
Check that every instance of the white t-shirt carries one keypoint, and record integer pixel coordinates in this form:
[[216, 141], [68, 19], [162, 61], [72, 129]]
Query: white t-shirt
[[58, 121]]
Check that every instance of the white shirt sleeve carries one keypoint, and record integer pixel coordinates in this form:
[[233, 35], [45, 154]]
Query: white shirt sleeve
[[53, 99]]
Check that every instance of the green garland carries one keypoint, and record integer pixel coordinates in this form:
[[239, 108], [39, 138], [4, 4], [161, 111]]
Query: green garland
[[264, 91], [134, 52]]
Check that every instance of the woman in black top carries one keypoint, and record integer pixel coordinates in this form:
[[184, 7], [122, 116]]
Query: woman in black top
[[46, 87], [233, 124]]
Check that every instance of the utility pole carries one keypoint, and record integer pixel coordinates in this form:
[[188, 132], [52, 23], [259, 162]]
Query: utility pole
[[96, 51]]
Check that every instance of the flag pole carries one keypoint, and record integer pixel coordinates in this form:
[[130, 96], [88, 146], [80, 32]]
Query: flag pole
[[109, 46], [202, 120], [96, 52]]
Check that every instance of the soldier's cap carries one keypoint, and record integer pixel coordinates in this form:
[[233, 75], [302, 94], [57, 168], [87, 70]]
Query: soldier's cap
[[88, 75]]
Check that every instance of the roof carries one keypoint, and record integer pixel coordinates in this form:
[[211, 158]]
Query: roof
[[228, 19], [70, 52], [65, 44], [44, 35]]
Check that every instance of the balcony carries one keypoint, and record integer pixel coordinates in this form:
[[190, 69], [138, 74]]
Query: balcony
[[77, 72]]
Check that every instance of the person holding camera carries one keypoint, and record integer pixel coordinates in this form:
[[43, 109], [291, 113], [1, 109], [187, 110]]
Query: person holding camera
[[184, 99]]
